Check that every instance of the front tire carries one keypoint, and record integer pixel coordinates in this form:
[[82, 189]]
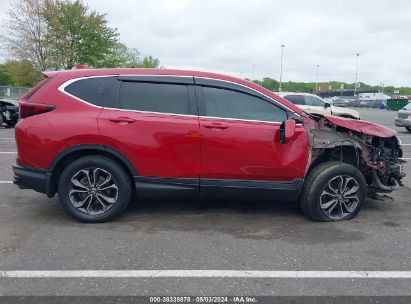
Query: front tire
[[94, 189], [408, 129], [333, 191]]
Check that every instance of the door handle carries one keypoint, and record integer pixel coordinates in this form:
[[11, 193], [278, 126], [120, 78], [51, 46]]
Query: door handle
[[215, 125], [122, 119]]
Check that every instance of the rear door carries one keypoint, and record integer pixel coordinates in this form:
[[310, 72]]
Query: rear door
[[155, 125]]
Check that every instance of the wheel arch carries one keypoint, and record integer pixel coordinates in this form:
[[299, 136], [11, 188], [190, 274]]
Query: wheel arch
[[347, 154], [66, 156]]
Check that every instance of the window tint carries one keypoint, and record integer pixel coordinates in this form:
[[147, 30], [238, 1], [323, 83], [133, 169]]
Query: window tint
[[295, 99], [313, 101], [155, 97], [231, 104], [100, 91]]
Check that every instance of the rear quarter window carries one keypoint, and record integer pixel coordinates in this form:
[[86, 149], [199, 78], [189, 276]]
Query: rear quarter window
[[99, 91]]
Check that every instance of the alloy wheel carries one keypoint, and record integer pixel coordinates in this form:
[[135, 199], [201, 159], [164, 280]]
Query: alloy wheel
[[340, 197], [93, 191]]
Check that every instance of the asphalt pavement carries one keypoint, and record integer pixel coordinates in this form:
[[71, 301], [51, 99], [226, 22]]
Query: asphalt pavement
[[36, 235]]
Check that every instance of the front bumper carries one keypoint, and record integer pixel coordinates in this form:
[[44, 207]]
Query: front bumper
[[401, 122], [36, 179]]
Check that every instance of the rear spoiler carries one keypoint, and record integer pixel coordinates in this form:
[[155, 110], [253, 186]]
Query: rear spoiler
[[50, 74]]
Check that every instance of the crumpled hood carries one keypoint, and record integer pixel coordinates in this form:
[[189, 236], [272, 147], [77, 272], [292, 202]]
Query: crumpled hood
[[361, 126]]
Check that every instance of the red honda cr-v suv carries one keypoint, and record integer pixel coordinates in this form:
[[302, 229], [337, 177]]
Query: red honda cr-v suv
[[96, 137]]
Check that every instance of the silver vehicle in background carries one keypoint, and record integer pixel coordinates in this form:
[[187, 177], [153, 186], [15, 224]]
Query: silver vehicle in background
[[339, 102], [313, 104], [403, 118]]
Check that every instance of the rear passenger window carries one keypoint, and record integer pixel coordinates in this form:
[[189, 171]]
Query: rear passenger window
[[100, 91], [155, 97]]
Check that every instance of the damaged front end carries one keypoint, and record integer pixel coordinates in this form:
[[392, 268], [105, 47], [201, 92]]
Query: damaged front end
[[373, 149]]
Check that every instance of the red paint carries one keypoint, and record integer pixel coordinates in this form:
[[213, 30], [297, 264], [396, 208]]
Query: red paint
[[165, 145], [251, 151], [158, 145], [289, 129], [362, 126]]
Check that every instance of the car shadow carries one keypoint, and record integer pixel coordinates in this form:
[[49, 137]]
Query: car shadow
[[252, 220]]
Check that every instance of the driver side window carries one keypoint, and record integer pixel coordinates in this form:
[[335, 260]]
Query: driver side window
[[232, 104]]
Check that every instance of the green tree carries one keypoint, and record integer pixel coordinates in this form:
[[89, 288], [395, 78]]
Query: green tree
[[77, 35], [25, 32], [125, 57], [21, 73], [150, 62], [4, 77]]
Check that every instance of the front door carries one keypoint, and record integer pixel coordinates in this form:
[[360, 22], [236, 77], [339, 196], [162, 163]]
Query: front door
[[240, 142]]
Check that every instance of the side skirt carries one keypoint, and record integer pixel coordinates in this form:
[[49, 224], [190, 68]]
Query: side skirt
[[191, 188]]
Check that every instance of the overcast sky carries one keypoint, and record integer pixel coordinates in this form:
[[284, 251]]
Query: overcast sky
[[228, 36]]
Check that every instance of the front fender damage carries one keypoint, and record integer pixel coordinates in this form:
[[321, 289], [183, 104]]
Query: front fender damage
[[377, 157]]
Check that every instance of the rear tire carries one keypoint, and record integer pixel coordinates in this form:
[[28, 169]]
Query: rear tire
[[1, 120], [333, 191], [94, 189], [408, 129]]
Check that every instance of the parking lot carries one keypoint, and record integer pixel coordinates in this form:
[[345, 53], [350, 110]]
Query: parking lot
[[35, 234]]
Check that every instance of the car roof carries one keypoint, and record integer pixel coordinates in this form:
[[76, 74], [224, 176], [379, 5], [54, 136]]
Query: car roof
[[71, 74]]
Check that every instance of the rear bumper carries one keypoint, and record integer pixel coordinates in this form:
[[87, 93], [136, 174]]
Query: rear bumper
[[36, 179]]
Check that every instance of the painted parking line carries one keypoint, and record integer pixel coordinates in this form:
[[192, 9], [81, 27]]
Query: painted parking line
[[6, 182], [7, 138], [8, 152], [206, 274]]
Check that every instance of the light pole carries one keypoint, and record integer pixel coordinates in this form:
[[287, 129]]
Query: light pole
[[281, 67], [253, 70], [316, 79], [356, 75]]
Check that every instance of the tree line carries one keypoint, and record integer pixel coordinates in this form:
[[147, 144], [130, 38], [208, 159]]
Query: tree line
[[41, 35], [310, 87], [44, 35]]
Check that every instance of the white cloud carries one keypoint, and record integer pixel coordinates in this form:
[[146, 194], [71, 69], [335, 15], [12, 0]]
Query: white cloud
[[228, 36]]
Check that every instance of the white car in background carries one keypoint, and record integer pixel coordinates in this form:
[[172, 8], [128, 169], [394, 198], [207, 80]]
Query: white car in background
[[316, 105]]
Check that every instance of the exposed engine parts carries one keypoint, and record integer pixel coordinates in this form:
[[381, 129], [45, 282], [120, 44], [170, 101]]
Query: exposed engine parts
[[377, 157]]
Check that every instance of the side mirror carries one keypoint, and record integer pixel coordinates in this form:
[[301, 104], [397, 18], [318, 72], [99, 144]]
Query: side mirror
[[327, 105], [287, 131]]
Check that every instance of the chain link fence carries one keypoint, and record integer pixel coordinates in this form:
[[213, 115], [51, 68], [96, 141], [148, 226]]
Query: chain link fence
[[12, 92]]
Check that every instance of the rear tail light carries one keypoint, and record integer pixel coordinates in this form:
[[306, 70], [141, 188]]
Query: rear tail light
[[27, 109]]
